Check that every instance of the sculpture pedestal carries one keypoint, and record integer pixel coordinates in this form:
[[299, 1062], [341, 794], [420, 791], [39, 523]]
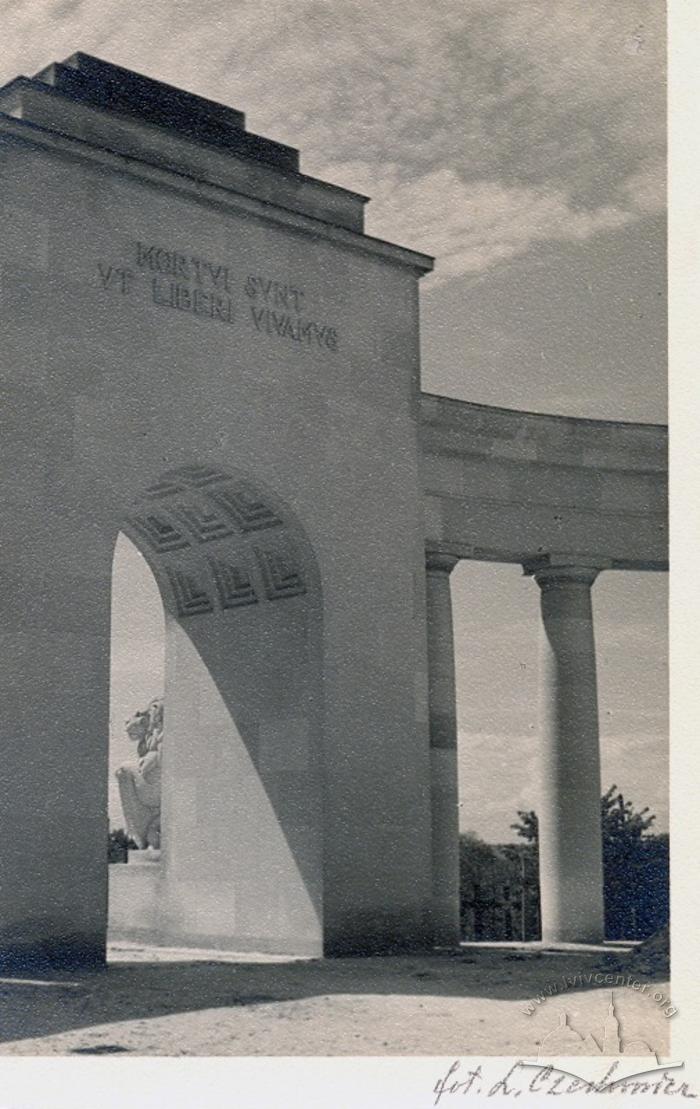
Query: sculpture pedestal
[[148, 857], [135, 896]]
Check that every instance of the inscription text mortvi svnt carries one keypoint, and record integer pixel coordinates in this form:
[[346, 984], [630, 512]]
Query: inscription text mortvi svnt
[[206, 289]]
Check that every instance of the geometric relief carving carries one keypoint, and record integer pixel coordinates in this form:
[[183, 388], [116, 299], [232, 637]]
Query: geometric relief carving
[[200, 475], [233, 584], [164, 488], [246, 508], [159, 532], [205, 522], [190, 598], [281, 573]]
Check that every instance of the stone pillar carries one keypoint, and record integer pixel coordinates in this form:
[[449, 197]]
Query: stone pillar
[[442, 707], [570, 841], [54, 723]]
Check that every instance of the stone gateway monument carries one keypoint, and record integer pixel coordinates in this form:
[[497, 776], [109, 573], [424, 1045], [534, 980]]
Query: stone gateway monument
[[202, 349]]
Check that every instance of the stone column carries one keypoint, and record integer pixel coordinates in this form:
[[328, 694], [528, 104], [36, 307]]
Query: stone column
[[570, 842], [442, 707]]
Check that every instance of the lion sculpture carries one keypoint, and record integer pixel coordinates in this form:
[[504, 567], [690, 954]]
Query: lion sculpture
[[139, 781]]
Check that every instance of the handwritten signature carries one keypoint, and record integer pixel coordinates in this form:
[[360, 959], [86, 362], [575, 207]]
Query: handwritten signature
[[549, 1080]]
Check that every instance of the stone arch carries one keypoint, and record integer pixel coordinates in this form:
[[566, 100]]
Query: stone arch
[[242, 854], [217, 542]]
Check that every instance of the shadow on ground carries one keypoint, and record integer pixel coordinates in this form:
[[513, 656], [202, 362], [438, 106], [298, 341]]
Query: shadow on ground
[[138, 990]]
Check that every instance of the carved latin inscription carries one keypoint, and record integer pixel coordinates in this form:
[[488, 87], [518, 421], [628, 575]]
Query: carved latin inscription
[[115, 277], [187, 283], [174, 294], [275, 309], [209, 290], [197, 271]]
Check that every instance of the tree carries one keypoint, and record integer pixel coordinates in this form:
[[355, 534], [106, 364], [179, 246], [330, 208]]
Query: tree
[[484, 873], [620, 823], [527, 826], [118, 843], [625, 833], [498, 890], [635, 866]]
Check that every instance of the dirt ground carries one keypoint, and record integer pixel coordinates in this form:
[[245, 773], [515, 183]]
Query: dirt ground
[[158, 1001]]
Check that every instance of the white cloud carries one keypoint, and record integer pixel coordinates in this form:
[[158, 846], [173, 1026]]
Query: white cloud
[[498, 775], [646, 189], [639, 765], [478, 129], [470, 226]]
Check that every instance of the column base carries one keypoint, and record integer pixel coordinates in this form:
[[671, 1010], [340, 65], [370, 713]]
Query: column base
[[573, 936], [135, 897]]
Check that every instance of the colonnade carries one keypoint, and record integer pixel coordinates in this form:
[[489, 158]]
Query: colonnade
[[570, 845]]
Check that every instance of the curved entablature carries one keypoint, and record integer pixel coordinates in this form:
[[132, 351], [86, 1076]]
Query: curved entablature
[[509, 486]]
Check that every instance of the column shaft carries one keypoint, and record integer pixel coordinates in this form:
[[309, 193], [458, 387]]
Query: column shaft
[[570, 844], [443, 752]]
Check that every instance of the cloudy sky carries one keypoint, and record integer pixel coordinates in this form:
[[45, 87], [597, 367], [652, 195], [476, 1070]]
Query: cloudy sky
[[521, 143]]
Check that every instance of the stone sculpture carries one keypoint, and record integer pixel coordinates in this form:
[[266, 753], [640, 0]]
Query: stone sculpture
[[139, 781]]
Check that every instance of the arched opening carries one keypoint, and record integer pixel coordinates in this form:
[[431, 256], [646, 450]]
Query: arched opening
[[239, 862], [137, 664]]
